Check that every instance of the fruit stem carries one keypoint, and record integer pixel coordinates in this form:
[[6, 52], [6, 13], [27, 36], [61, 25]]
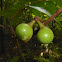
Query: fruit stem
[[40, 24], [32, 23]]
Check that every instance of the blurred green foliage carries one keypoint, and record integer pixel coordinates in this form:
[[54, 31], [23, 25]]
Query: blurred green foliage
[[33, 48]]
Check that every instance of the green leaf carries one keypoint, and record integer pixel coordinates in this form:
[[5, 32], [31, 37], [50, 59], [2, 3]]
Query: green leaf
[[47, 5], [59, 17], [15, 59], [59, 2]]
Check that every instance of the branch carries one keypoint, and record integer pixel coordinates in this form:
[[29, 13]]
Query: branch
[[14, 37], [38, 18], [53, 16], [2, 26], [21, 54], [16, 13], [36, 1], [21, 10], [50, 19]]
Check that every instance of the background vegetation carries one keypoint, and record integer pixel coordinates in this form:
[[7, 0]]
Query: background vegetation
[[14, 12]]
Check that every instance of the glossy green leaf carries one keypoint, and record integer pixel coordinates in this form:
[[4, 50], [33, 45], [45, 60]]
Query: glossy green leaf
[[47, 5]]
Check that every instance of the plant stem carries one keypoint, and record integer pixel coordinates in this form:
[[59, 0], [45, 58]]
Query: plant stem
[[31, 23], [53, 16], [39, 21], [16, 13], [40, 24], [2, 26], [37, 1], [37, 18], [21, 54], [50, 19], [14, 36], [21, 10]]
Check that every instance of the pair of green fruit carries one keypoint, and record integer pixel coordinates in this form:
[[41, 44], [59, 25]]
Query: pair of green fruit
[[24, 32]]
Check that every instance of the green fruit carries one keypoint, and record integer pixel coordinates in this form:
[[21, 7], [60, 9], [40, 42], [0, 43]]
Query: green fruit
[[45, 35], [24, 31]]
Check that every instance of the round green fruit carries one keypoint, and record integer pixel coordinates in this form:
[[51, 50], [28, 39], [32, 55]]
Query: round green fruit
[[45, 35], [24, 31]]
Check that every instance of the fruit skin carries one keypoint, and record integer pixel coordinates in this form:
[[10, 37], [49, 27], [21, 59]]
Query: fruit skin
[[45, 35], [24, 31]]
